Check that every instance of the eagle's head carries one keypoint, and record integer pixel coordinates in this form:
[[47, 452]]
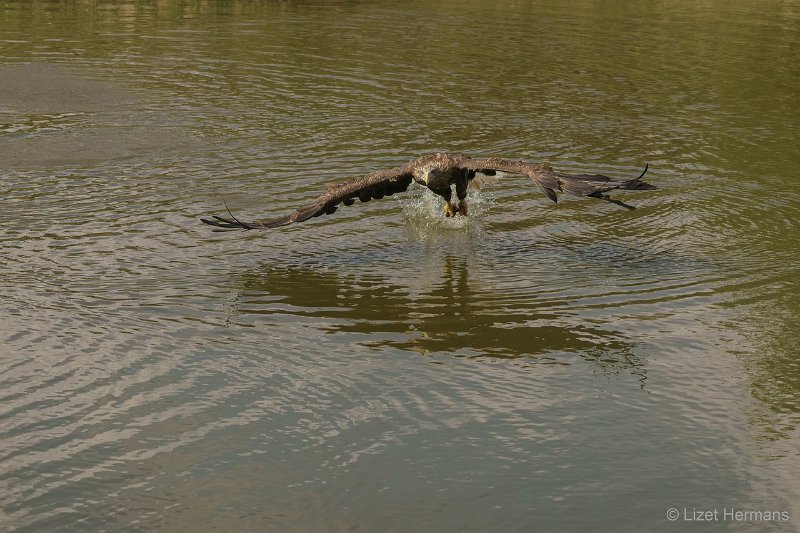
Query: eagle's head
[[435, 177]]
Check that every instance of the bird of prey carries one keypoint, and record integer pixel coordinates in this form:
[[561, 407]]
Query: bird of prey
[[439, 172]]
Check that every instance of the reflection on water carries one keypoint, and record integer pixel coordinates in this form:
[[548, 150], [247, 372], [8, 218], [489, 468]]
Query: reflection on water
[[570, 366], [452, 317]]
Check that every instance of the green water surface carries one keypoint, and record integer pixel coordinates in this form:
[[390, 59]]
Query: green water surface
[[534, 367]]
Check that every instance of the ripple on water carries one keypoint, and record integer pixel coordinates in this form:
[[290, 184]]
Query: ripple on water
[[154, 371]]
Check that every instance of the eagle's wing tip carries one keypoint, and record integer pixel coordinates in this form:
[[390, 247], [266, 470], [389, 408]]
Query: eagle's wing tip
[[224, 223]]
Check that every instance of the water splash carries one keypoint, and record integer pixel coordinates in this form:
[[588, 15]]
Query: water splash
[[425, 218]]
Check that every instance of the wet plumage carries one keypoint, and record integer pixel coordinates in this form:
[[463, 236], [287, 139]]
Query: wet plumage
[[439, 172]]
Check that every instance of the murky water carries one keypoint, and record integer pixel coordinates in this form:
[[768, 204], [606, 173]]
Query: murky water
[[562, 367]]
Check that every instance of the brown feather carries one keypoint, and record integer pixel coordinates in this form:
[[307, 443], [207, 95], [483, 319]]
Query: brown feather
[[374, 185]]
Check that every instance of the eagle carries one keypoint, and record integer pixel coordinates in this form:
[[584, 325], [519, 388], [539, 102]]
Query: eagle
[[439, 172]]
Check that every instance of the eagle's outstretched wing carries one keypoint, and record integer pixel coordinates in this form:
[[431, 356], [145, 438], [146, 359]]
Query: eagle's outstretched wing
[[550, 181], [374, 185], [387, 182]]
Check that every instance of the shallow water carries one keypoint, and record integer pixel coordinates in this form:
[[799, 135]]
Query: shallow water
[[565, 366]]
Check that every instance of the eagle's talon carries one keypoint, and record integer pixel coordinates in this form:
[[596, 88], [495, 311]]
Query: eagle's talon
[[449, 210], [462, 208]]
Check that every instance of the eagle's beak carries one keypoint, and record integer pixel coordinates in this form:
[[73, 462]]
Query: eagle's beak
[[426, 174]]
